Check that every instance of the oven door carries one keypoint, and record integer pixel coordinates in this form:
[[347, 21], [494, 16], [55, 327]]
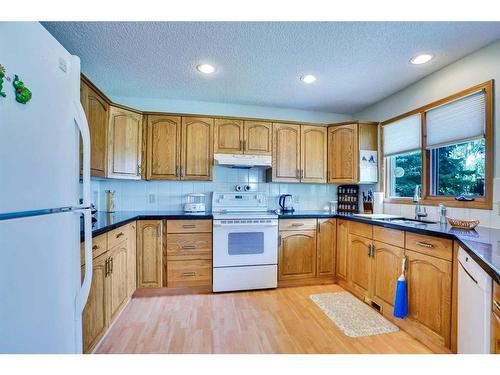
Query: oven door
[[245, 242]]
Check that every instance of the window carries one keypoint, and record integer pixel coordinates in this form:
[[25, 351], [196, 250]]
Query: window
[[402, 152], [458, 169], [445, 146], [406, 172]]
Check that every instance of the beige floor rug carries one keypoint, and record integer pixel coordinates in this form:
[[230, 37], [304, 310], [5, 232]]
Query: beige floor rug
[[353, 317]]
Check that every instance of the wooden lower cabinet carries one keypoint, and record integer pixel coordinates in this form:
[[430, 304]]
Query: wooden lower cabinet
[[386, 268], [327, 230], [429, 295], [341, 264], [95, 313], [306, 251], [132, 259], [297, 255], [117, 279], [360, 264], [149, 254]]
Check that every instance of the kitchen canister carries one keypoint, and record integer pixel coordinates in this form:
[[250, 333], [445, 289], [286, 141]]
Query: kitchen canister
[[110, 201]]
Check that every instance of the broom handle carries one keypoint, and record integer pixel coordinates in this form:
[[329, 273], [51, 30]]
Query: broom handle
[[405, 259]]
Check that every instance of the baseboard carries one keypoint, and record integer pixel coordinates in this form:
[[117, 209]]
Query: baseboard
[[306, 282]]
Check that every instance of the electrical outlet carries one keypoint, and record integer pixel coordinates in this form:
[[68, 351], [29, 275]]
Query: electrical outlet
[[152, 198]]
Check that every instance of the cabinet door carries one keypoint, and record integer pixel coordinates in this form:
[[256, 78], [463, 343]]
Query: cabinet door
[[341, 264], [360, 263], [297, 255], [96, 110], [286, 153], [125, 144], [258, 138], [131, 259], [313, 147], [117, 279], [386, 269], [149, 254], [343, 153], [163, 147], [429, 295], [327, 229], [95, 314], [197, 148], [228, 136]]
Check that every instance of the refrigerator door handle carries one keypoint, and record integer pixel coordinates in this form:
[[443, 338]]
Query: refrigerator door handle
[[81, 122], [83, 293]]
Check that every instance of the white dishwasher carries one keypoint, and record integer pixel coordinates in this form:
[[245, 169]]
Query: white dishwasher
[[474, 306]]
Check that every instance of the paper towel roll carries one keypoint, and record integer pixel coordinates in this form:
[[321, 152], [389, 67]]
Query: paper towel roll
[[378, 202]]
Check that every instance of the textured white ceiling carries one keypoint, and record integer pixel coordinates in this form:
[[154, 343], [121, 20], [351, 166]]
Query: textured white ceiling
[[259, 63]]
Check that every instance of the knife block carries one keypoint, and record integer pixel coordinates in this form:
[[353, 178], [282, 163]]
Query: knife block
[[368, 207]]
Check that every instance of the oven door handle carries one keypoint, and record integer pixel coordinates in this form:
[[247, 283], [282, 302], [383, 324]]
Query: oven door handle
[[266, 225]]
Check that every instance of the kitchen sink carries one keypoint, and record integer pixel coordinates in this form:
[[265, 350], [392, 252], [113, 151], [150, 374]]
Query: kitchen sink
[[410, 221]]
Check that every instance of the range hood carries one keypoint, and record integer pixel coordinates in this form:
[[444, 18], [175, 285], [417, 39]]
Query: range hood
[[243, 161]]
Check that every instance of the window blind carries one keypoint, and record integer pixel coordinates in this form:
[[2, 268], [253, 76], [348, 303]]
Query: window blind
[[461, 120], [402, 136]]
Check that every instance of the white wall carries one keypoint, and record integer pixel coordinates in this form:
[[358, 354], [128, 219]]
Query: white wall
[[228, 109], [471, 70]]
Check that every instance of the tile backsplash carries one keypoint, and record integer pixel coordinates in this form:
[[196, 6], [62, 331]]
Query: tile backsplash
[[170, 195]]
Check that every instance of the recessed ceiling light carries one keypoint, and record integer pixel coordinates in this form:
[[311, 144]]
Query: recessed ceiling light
[[206, 68], [308, 78], [421, 59]]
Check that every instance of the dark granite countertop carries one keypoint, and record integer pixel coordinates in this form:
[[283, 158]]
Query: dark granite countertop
[[483, 244]]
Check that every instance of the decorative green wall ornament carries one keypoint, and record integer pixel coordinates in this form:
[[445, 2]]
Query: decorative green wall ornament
[[23, 94], [2, 75]]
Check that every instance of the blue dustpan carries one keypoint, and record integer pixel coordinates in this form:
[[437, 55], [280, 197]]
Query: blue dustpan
[[401, 299]]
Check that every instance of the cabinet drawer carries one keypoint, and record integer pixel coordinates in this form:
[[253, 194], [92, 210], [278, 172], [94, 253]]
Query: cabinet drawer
[[496, 298], [118, 235], [390, 236], [184, 273], [98, 247], [433, 246], [189, 226], [189, 246], [297, 224], [360, 229]]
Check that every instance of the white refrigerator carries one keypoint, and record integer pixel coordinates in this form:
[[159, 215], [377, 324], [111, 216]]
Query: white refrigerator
[[42, 293]]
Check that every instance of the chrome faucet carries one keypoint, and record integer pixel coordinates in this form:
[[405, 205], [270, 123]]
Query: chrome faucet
[[416, 199]]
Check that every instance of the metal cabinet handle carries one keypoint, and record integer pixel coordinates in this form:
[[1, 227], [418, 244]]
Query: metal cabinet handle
[[301, 174], [424, 244], [189, 226], [139, 169], [369, 250], [372, 251], [189, 247], [192, 273], [106, 267], [120, 235], [95, 247], [279, 241], [111, 265], [297, 224]]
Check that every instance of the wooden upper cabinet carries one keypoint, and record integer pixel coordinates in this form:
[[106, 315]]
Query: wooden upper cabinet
[[429, 295], [327, 229], [149, 254], [297, 255], [125, 144], [286, 153], [197, 148], [228, 136], [96, 110], [257, 138], [387, 263], [343, 153], [341, 256], [313, 147], [163, 148], [360, 263]]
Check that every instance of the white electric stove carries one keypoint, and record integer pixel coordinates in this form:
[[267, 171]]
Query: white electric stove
[[245, 242]]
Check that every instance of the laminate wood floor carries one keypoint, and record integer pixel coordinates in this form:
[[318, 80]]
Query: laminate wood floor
[[282, 320]]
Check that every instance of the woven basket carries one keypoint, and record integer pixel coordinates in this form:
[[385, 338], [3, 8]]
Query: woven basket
[[463, 224]]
